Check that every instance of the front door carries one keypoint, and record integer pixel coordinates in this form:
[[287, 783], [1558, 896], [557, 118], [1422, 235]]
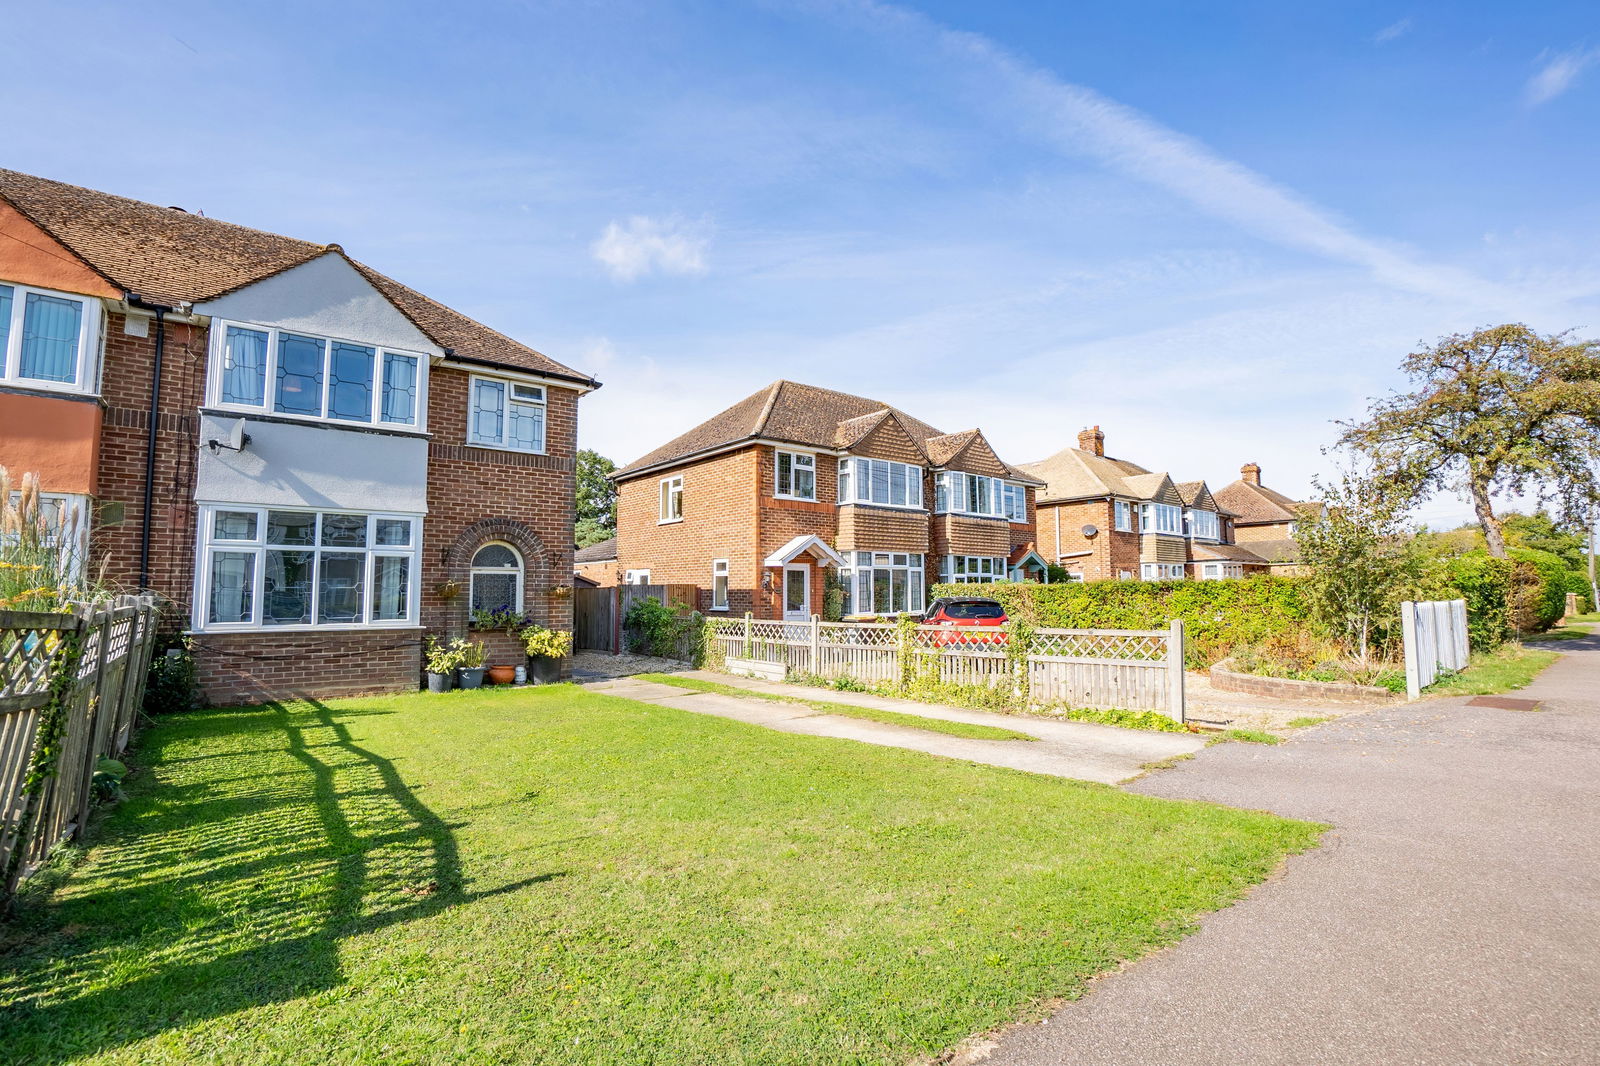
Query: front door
[[796, 592]]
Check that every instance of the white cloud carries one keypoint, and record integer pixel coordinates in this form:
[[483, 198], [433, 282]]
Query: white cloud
[[1558, 75], [643, 245], [1393, 31]]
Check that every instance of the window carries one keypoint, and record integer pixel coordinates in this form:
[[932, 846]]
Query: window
[[506, 414], [48, 339], [973, 569], [1124, 516], [64, 522], [267, 568], [878, 481], [796, 476], [719, 585], [672, 499], [496, 579], [1202, 525], [1221, 571], [305, 376], [1161, 518], [1016, 502], [973, 494], [883, 582], [1161, 571]]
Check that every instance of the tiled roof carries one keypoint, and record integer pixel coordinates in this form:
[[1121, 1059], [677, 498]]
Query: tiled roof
[[1278, 552], [167, 255], [944, 448], [1257, 503], [791, 412], [1074, 473], [603, 552], [1233, 553]]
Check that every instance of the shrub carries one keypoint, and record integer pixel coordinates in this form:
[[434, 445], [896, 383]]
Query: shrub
[[653, 628], [1578, 584], [546, 643], [170, 687], [1484, 582], [1539, 589]]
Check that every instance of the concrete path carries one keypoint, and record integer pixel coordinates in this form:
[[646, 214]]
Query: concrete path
[[1452, 916], [1064, 749]]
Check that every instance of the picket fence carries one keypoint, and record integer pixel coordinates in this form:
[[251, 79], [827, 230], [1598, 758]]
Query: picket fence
[[79, 676], [1133, 669], [1435, 637]]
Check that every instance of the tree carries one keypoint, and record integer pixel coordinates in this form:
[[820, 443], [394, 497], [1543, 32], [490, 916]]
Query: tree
[[596, 499], [1502, 410], [1542, 533], [1362, 557]]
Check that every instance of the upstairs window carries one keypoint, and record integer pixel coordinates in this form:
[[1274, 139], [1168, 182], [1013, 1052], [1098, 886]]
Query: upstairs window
[[1124, 516], [878, 481], [47, 339], [1161, 518], [305, 376], [1016, 502], [1202, 525], [507, 414], [974, 494], [796, 476], [672, 499]]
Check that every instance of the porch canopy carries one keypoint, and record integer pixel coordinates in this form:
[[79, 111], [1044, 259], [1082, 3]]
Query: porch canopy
[[804, 543]]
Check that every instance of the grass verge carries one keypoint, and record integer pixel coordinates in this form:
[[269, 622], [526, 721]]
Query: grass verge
[[1504, 670], [1307, 721], [1553, 635], [1252, 736], [557, 876], [847, 710]]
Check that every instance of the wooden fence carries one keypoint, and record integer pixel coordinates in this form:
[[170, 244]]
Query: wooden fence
[[598, 614], [71, 686], [1135, 669], [1435, 635]]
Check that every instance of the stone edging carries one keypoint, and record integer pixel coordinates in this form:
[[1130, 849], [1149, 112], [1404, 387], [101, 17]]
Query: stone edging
[[1289, 689]]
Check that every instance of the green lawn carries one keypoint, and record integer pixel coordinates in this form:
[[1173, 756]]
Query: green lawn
[[847, 710], [1511, 667], [558, 876]]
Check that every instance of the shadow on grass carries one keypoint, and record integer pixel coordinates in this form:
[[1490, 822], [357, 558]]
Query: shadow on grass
[[194, 910]]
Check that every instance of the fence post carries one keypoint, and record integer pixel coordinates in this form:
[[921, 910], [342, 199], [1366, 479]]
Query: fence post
[[1408, 636], [748, 622], [816, 644], [1175, 652]]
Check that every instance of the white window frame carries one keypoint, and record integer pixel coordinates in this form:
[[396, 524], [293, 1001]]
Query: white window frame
[[1194, 517], [973, 569], [851, 482], [268, 405], [795, 461], [719, 572], [508, 399], [670, 491], [1122, 516], [209, 543], [519, 598], [866, 564], [1013, 492], [85, 370], [1161, 518], [952, 483], [1161, 571]]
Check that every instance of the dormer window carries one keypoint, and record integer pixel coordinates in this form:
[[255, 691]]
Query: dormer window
[[300, 375], [507, 414], [47, 339]]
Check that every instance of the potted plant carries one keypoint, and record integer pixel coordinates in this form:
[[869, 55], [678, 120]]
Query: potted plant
[[470, 673], [443, 659], [546, 649], [502, 674]]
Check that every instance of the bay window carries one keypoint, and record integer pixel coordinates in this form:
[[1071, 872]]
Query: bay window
[[284, 372], [880, 482], [1161, 518], [972, 494], [973, 569], [48, 339], [264, 568], [506, 414], [882, 582], [795, 476], [1202, 525]]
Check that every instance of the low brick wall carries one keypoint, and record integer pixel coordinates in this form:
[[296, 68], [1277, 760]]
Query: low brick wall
[[1285, 688], [238, 668]]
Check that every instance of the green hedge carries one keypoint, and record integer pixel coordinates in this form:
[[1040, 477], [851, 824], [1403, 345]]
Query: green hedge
[[1578, 582], [1540, 589], [1218, 616], [1485, 583]]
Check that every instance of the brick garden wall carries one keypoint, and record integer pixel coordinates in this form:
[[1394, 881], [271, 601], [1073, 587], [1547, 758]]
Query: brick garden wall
[[236, 668]]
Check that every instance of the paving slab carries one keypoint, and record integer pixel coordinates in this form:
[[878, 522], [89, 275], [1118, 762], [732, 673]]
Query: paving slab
[[1450, 918]]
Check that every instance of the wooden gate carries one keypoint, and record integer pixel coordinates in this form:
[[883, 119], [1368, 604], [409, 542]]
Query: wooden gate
[[594, 619]]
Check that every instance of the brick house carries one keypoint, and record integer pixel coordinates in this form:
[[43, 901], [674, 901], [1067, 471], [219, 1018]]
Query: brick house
[[1265, 519], [1105, 518], [314, 464], [597, 564], [757, 504]]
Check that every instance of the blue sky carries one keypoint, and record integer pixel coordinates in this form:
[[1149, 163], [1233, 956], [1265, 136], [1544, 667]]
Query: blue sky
[[1210, 229]]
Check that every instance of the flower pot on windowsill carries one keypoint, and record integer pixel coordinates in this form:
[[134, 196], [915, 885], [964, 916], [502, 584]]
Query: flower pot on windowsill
[[502, 675], [544, 670], [439, 682], [470, 676]]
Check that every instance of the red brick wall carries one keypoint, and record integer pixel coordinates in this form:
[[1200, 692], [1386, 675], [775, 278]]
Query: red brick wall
[[1110, 551], [236, 668]]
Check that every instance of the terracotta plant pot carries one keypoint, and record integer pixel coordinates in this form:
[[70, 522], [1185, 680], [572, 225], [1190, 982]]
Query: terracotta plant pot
[[502, 675]]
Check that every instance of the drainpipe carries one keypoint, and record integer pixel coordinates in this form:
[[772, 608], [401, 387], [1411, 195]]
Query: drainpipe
[[150, 438]]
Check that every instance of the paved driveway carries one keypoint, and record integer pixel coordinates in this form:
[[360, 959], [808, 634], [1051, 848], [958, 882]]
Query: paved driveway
[[1452, 916]]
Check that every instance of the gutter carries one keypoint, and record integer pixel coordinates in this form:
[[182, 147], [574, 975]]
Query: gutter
[[588, 384]]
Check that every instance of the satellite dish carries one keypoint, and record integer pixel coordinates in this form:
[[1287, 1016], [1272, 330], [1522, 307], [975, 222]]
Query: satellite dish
[[1091, 531], [234, 440]]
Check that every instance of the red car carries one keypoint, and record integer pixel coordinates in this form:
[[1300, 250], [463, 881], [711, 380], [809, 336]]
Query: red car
[[966, 620]]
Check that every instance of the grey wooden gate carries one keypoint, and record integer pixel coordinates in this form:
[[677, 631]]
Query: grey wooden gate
[[594, 619]]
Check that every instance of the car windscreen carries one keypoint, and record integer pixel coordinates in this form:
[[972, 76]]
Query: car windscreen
[[974, 609]]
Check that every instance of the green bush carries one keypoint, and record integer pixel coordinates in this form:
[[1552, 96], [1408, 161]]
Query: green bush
[[1485, 583], [653, 628], [1578, 584], [170, 687], [1539, 596]]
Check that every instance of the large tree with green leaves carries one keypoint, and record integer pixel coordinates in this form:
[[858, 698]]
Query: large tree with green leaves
[[596, 499], [1503, 410]]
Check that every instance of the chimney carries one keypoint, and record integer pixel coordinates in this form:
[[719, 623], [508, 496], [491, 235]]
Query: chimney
[[1092, 440], [1251, 472]]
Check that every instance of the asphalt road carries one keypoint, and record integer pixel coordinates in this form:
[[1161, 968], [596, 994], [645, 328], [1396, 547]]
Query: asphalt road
[[1451, 916]]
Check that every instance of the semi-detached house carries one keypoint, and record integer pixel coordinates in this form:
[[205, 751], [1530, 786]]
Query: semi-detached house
[[758, 504], [314, 464]]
